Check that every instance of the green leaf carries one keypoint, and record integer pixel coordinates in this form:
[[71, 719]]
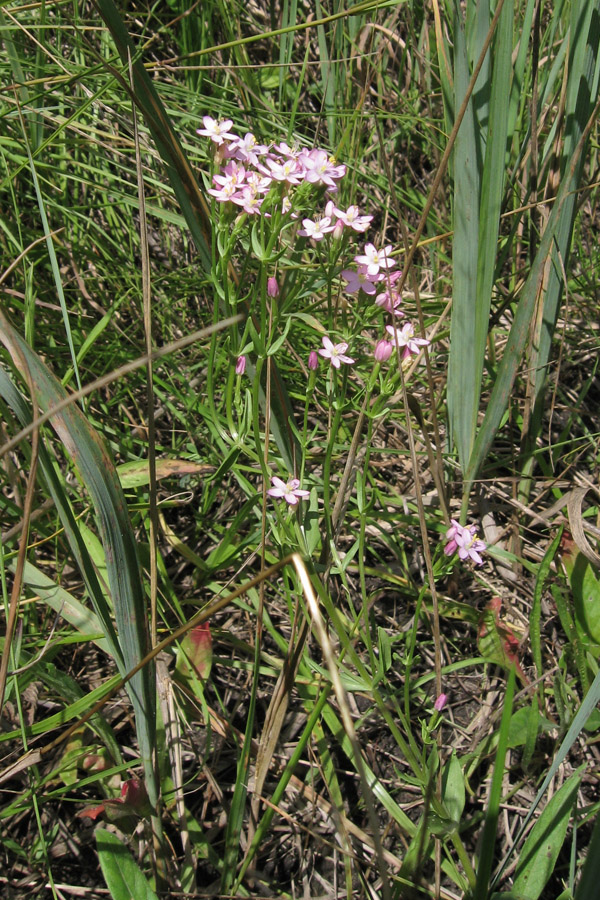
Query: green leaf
[[540, 851], [137, 473], [194, 654], [488, 840], [90, 454], [453, 788], [587, 888], [123, 878], [585, 587]]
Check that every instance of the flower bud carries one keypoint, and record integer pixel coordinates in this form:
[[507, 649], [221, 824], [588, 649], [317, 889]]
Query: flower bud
[[440, 702], [313, 360], [272, 287], [383, 350], [240, 366]]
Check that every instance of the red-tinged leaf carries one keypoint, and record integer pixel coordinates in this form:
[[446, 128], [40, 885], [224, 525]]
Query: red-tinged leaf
[[91, 812], [133, 800], [195, 654], [497, 642]]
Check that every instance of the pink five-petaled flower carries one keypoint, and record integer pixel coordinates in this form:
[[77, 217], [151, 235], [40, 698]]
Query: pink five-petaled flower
[[316, 230], [216, 131], [353, 219], [335, 352], [406, 340], [290, 490], [249, 200], [462, 538], [248, 149], [375, 259], [320, 169], [359, 280]]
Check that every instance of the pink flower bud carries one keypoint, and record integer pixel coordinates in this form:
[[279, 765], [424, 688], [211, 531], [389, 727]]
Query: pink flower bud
[[338, 230], [383, 350], [440, 702], [272, 287], [240, 366], [313, 360]]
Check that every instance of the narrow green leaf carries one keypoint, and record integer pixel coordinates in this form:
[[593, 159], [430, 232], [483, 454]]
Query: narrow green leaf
[[73, 531], [488, 841], [179, 171], [536, 606], [540, 851], [583, 69], [592, 698], [90, 454]]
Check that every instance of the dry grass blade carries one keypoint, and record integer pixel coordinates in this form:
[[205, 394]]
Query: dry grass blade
[[342, 698]]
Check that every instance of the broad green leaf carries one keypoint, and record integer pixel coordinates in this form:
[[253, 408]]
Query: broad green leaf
[[194, 655], [121, 873], [453, 788], [520, 331], [585, 587], [540, 851], [463, 387], [587, 889]]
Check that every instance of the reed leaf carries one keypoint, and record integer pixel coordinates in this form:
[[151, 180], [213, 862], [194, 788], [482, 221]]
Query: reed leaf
[[479, 173], [97, 472]]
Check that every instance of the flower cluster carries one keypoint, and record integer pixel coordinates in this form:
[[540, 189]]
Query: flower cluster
[[462, 538], [251, 169]]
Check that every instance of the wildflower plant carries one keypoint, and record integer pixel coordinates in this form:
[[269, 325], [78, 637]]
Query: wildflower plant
[[287, 489]]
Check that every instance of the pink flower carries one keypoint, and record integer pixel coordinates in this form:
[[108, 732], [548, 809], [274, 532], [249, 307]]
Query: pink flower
[[249, 200], [290, 490], [288, 171], [272, 287], [313, 360], [375, 259], [240, 366], [462, 538], [359, 280], [335, 352], [440, 702], [247, 149], [390, 299], [405, 338], [353, 219], [215, 130], [320, 169], [316, 230], [229, 182], [383, 350], [227, 192]]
